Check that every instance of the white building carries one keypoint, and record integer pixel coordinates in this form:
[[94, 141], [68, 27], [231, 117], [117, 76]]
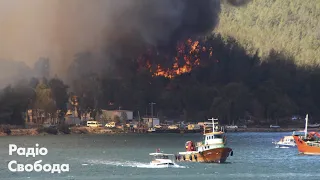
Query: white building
[[151, 123], [111, 115], [71, 120]]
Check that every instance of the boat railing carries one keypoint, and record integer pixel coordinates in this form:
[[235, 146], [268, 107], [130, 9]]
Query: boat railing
[[316, 144]]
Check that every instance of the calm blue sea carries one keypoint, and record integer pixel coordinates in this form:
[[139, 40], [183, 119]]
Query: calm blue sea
[[99, 157]]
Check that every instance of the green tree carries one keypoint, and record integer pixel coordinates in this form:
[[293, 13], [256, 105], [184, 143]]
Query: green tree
[[232, 103], [45, 101], [59, 93], [13, 105], [285, 25], [116, 119]]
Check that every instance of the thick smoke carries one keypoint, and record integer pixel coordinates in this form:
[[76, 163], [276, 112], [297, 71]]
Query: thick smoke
[[161, 23], [108, 29]]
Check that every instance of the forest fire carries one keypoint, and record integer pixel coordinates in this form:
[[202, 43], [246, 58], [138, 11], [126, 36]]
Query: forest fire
[[188, 56]]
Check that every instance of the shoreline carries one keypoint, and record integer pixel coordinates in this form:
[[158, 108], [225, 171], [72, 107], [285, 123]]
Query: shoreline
[[267, 130], [103, 130]]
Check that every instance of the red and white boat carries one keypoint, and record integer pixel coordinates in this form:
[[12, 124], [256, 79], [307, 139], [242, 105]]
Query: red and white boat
[[309, 143], [211, 150]]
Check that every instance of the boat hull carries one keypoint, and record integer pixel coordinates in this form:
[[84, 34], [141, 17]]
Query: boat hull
[[304, 148], [163, 165], [284, 145], [217, 155]]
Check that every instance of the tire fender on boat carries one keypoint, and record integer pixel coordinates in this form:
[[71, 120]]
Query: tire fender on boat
[[190, 157], [195, 157], [184, 157], [201, 154], [231, 153]]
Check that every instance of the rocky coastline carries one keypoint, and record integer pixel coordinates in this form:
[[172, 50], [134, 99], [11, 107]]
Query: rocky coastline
[[103, 130], [56, 131]]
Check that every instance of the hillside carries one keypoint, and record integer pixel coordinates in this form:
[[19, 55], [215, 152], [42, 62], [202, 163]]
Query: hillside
[[284, 25]]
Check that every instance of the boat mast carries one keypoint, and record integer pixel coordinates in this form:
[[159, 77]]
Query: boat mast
[[306, 127], [213, 126]]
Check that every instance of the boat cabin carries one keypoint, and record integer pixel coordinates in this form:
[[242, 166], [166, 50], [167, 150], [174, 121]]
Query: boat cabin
[[212, 140], [162, 159], [160, 156], [213, 136], [287, 139]]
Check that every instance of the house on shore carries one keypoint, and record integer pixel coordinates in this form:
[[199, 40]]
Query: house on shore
[[116, 115], [151, 122]]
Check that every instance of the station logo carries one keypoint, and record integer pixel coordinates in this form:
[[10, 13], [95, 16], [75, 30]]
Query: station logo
[[37, 166]]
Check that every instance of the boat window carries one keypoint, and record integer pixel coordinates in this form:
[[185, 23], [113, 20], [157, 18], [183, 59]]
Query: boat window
[[218, 136], [161, 157]]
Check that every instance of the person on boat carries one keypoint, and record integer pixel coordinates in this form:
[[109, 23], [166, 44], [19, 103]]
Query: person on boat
[[190, 146]]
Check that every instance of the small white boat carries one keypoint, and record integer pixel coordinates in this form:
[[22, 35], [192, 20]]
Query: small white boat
[[162, 160], [285, 142], [313, 125]]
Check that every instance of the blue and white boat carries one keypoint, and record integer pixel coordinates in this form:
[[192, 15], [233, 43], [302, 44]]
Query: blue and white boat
[[285, 142]]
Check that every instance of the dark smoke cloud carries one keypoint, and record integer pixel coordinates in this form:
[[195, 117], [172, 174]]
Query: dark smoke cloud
[[138, 24], [159, 23], [108, 29]]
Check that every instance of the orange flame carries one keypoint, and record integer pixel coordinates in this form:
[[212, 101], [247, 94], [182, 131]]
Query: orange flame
[[188, 57]]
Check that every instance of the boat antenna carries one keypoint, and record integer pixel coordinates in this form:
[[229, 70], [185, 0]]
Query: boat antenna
[[306, 127]]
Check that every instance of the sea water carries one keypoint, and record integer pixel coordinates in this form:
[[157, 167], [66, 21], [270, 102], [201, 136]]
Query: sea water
[[126, 156]]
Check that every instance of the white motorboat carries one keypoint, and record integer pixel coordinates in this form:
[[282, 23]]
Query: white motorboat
[[285, 142], [314, 125], [162, 160]]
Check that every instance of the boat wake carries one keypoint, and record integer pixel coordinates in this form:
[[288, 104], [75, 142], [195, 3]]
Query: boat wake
[[126, 164], [282, 147]]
